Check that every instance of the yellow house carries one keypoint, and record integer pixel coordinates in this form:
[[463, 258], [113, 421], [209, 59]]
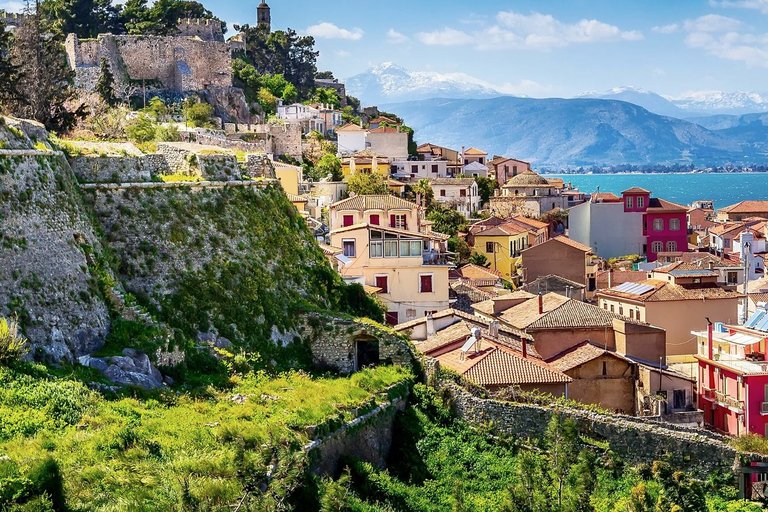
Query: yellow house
[[381, 210], [502, 246], [409, 269], [300, 202], [365, 161], [289, 176]]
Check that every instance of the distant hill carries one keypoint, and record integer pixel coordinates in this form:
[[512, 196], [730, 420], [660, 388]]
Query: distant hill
[[389, 83], [574, 132], [648, 100]]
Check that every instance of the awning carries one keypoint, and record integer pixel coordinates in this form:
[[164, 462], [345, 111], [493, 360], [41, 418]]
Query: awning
[[739, 339], [343, 259]]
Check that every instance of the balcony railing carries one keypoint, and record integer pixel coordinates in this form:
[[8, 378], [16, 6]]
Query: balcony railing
[[438, 258], [708, 393], [729, 401]]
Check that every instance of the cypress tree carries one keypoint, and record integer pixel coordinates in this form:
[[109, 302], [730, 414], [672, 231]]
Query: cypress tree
[[7, 69], [106, 85]]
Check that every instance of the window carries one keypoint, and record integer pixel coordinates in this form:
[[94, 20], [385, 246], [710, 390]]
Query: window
[[489, 247], [671, 246], [605, 369], [410, 248], [678, 399], [434, 168], [414, 169], [632, 313], [674, 224], [733, 278], [383, 283], [658, 224], [349, 248], [348, 220], [390, 248], [657, 247], [727, 243], [375, 220], [640, 202], [398, 221], [463, 193], [621, 309], [392, 318], [630, 202], [442, 192], [514, 170], [612, 308], [425, 283], [410, 313]]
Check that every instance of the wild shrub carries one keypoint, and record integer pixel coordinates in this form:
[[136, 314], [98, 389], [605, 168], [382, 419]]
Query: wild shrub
[[13, 346]]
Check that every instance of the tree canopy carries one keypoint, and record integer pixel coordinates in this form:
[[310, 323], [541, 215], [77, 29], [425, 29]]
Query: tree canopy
[[368, 184]]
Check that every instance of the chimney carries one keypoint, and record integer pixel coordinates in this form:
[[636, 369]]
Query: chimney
[[541, 304], [430, 325], [711, 265], [525, 348], [709, 340], [610, 278]]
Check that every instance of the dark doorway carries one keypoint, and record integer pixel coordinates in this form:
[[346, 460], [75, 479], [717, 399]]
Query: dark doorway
[[367, 351]]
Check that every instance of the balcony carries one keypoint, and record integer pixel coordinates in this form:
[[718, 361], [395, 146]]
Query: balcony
[[438, 258], [729, 401], [708, 394]]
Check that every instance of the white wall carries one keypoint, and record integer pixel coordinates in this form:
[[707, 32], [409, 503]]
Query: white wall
[[350, 142], [607, 228]]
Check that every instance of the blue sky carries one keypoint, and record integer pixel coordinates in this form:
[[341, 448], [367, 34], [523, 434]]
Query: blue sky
[[537, 48]]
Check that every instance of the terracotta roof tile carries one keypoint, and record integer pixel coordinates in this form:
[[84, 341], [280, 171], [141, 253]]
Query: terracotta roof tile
[[475, 294], [573, 243], [605, 197], [296, 199], [662, 205], [580, 354], [330, 250], [349, 127], [461, 182], [620, 277], [472, 271], [533, 223], [636, 190], [458, 332], [523, 315], [574, 314], [508, 229], [747, 207], [503, 367], [475, 152], [385, 129], [373, 202], [664, 291]]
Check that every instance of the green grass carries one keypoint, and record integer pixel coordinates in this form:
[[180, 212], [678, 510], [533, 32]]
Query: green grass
[[165, 451]]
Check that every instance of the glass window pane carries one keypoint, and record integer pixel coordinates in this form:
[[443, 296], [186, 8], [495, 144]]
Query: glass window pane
[[390, 249], [377, 249], [415, 248]]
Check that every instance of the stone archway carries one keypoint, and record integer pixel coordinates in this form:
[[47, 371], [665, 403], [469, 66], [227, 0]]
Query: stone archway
[[366, 351]]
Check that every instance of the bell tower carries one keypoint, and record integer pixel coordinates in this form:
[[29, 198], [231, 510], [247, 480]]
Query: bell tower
[[264, 16]]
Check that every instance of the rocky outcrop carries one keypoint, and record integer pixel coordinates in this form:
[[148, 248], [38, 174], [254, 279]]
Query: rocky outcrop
[[130, 369]]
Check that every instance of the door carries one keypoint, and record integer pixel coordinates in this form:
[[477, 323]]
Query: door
[[367, 350], [392, 318]]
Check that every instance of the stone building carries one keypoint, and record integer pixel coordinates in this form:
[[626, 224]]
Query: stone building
[[528, 194]]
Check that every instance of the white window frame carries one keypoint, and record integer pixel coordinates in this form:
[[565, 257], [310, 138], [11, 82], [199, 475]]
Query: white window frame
[[354, 246], [674, 224], [671, 246], [630, 202], [431, 277], [660, 246], [660, 223], [640, 202]]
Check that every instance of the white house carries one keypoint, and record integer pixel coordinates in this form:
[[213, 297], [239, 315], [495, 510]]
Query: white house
[[598, 222], [476, 169], [298, 113], [459, 193], [418, 169], [350, 139]]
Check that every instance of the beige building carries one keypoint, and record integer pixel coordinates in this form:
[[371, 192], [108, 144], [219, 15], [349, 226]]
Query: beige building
[[743, 210], [678, 301], [529, 194], [388, 141], [504, 168], [386, 248], [563, 257], [459, 193]]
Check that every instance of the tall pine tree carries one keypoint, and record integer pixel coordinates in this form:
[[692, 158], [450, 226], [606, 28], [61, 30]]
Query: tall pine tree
[[8, 71], [44, 77], [106, 85]]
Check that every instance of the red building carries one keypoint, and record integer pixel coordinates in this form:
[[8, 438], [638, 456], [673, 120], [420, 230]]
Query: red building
[[733, 376], [665, 224]]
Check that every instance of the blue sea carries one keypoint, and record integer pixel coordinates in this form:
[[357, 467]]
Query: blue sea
[[723, 189]]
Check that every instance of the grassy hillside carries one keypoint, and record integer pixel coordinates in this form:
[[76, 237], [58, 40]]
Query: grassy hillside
[[66, 447]]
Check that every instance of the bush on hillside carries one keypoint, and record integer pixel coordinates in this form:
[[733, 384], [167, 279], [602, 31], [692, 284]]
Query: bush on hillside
[[13, 346]]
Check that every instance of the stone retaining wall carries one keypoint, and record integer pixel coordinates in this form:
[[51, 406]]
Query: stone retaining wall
[[636, 440], [368, 438], [114, 169], [178, 184]]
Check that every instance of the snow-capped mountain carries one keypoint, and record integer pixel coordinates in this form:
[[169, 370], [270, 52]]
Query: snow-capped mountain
[[388, 83], [690, 104], [719, 102]]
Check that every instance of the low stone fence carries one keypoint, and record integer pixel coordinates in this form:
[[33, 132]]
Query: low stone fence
[[177, 184], [636, 440], [118, 169], [262, 146], [367, 437]]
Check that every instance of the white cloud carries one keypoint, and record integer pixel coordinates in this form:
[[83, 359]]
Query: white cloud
[[343, 54], [525, 88], [11, 6], [395, 37], [760, 5], [445, 37], [727, 39], [530, 31], [327, 30], [666, 29]]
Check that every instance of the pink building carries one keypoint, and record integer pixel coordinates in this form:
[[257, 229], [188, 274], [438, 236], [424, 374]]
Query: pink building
[[733, 376], [665, 224]]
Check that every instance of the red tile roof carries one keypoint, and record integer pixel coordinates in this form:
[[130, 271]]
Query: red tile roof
[[620, 277], [373, 202], [580, 354], [503, 367], [663, 291], [662, 205], [536, 224], [636, 190], [386, 129], [472, 271], [747, 207], [507, 229], [573, 243], [475, 152], [605, 197]]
